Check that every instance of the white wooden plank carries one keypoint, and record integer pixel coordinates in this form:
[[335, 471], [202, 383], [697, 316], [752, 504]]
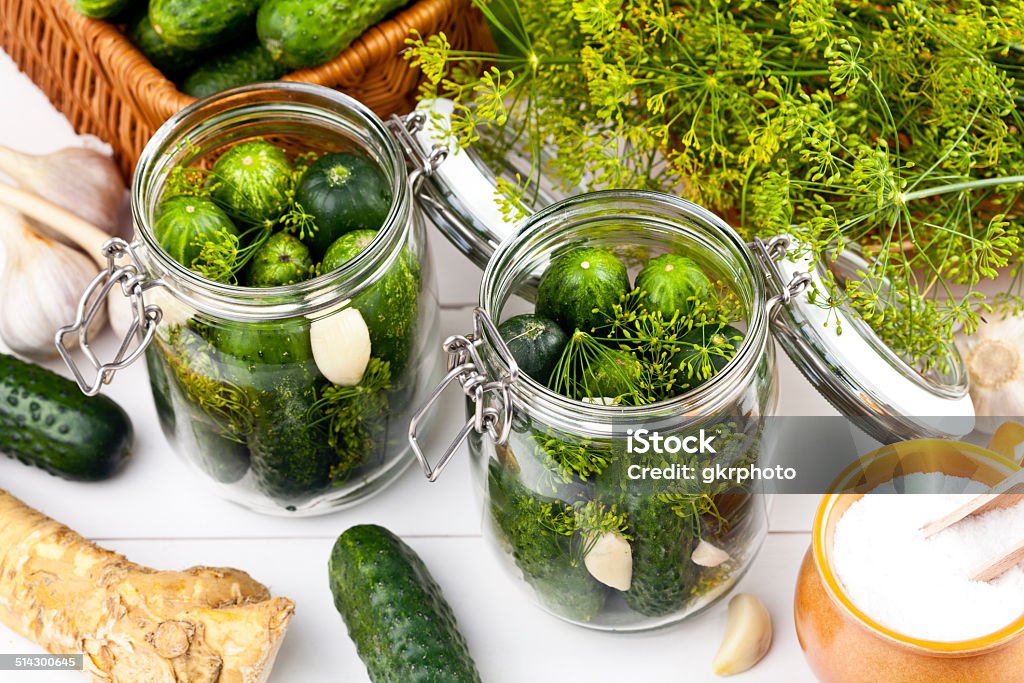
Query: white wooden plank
[[512, 640]]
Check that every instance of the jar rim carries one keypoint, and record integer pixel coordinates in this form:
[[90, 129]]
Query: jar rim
[[698, 403], [308, 296], [829, 508]]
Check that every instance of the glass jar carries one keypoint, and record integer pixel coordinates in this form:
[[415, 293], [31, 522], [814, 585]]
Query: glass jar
[[567, 485], [238, 373]]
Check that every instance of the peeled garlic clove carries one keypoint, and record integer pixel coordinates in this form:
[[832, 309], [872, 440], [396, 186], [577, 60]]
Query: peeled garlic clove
[[708, 555], [610, 560], [41, 284], [84, 181], [994, 356], [748, 635], [341, 346]]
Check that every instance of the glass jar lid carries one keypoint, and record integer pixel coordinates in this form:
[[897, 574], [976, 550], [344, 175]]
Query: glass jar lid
[[855, 371]]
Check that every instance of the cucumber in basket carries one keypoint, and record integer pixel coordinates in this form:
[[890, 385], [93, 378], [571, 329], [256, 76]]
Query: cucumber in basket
[[201, 24], [305, 33], [100, 9], [402, 626], [249, 64], [47, 422]]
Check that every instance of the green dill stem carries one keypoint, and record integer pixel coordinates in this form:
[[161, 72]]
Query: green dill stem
[[965, 186]]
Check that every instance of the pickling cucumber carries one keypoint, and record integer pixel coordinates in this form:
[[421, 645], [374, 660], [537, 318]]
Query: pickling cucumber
[[250, 64], [342, 191], [262, 354], [282, 260], [185, 223], [100, 9], [535, 342], [200, 24], [664, 576], [704, 351], [403, 628], [580, 287], [672, 285], [169, 59], [305, 33], [46, 421], [252, 182]]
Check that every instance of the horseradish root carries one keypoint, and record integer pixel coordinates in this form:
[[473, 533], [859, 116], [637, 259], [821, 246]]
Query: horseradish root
[[748, 635], [134, 624]]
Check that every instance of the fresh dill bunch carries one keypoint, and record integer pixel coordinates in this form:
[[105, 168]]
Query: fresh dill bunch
[[223, 257], [298, 222], [353, 416], [895, 126], [185, 181]]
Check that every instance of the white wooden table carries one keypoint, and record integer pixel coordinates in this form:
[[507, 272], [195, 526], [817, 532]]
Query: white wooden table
[[157, 513]]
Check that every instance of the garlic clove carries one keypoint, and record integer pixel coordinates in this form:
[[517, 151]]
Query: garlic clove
[[40, 287], [610, 560], [748, 636], [84, 181], [994, 356], [341, 346], [709, 555]]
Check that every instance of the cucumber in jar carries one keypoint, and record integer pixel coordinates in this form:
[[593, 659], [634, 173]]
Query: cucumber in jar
[[579, 289], [389, 306], [262, 355], [546, 557], [664, 576], [281, 260], [252, 181], [535, 342], [185, 224], [672, 285], [342, 192], [704, 351]]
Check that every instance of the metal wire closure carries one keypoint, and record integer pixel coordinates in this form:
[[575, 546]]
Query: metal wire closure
[[424, 163], [769, 252], [144, 318], [466, 366]]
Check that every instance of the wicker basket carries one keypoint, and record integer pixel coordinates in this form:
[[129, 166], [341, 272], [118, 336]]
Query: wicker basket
[[106, 87]]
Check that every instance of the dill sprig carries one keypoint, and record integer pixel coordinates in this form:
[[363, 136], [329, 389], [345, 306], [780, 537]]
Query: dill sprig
[[895, 126], [353, 416]]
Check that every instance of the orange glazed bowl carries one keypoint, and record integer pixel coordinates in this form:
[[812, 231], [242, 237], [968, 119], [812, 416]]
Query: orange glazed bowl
[[844, 645]]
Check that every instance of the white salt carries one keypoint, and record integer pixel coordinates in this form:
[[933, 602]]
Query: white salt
[[921, 587]]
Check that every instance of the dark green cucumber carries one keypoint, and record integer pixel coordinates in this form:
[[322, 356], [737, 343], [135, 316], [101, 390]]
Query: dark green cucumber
[[664, 576], [201, 24], [46, 421], [242, 66], [185, 223], [305, 33], [536, 343], [704, 351], [100, 9], [545, 557], [672, 285], [390, 306], [260, 355], [252, 181], [403, 628], [169, 59], [289, 456], [225, 460], [611, 374], [342, 191], [282, 260], [580, 287]]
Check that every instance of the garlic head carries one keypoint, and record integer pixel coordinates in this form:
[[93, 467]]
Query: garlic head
[[994, 356], [41, 284]]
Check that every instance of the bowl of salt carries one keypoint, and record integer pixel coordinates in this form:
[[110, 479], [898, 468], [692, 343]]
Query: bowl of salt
[[883, 596]]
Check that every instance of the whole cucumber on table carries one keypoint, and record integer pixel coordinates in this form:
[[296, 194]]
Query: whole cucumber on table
[[47, 422], [200, 24], [305, 33], [249, 64], [402, 626]]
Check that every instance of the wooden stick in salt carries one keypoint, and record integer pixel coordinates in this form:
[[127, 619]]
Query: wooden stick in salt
[[995, 568], [1007, 493]]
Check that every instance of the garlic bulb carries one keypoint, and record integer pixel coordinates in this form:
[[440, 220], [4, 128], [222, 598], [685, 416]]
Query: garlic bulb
[[40, 286], [84, 181], [994, 356]]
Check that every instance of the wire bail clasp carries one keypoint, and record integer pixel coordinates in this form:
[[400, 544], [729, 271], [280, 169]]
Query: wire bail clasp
[[769, 252], [424, 162], [468, 368], [144, 321]]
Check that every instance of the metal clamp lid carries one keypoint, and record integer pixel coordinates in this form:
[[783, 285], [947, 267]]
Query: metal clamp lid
[[466, 366], [144, 318]]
